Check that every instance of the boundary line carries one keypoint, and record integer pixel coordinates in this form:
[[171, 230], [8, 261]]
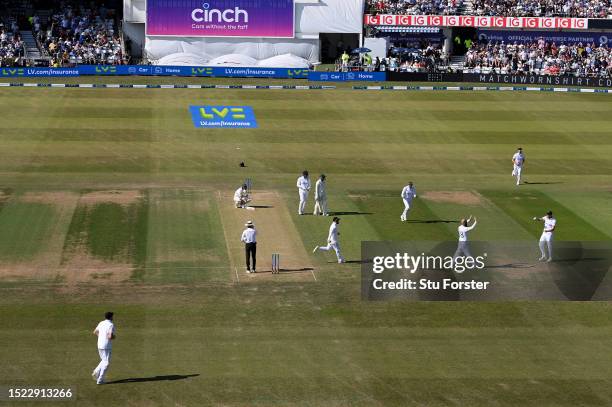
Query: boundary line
[[484, 88], [305, 87], [161, 86]]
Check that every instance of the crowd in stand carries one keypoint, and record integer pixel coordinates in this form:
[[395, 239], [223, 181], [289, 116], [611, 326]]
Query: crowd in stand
[[425, 58], [543, 8], [435, 7], [11, 46], [79, 35], [507, 8], [540, 57]]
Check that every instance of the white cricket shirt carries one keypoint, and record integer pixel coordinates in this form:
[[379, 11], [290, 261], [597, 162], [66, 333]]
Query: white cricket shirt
[[105, 328]]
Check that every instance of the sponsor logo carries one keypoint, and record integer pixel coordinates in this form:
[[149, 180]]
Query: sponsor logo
[[223, 116], [297, 73], [201, 71], [11, 72], [229, 15], [102, 69]]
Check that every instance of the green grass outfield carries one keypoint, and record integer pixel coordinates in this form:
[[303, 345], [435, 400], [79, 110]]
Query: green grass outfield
[[111, 199]]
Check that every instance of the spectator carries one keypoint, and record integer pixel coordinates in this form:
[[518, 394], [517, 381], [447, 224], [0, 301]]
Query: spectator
[[540, 58]]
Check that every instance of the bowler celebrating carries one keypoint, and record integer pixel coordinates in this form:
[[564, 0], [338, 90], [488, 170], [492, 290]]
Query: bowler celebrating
[[518, 159], [547, 235], [320, 197], [463, 229], [106, 333], [408, 194], [303, 185], [332, 240]]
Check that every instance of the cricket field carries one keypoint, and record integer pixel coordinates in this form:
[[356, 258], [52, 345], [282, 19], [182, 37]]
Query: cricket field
[[111, 199]]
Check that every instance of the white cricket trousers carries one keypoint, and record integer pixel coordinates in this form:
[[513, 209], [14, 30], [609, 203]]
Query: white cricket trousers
[[320, 207], [100, 370], [406, 208], [336, 247], [303, 197], [516, 172], [463, 248], [546, 243]]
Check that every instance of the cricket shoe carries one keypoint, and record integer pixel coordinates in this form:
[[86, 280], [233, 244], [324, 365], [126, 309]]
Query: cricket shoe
[[248, 271], [315, 249], [100, 382], [341, 261], [94, 374], [543, 258], [549, 260]]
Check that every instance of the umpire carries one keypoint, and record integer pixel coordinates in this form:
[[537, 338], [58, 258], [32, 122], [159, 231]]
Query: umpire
[[249, 237]]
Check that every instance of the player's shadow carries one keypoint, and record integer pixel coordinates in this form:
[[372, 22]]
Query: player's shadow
[[542, 183], [296, 270], [261, 206], [153, 378], [348, 213], [432, 221]]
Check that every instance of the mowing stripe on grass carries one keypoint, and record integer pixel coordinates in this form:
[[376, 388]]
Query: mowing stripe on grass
[[523, 205]]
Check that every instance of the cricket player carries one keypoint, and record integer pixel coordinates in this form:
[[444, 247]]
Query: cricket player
[[106, 333], [303, 185], [332, 240], [408, 194], [249, 238], [463, 247], [320, 197], [241, 197], [518, 159], [547, 235]]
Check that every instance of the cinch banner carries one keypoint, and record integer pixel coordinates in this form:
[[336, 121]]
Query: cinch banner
[[235, 117], [221, 18], [570, 37], [475, 21]]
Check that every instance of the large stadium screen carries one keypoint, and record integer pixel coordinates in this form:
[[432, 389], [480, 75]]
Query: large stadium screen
[[220, 18]]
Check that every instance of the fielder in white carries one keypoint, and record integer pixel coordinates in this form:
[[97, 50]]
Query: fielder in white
[[320, 197], [106, 333], [518, 159], [241, 197], [547, 235], [332, 240], [408, 194], [463, 247], [303, 185]]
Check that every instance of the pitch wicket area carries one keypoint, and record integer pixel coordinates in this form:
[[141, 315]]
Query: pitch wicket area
[[276, 233], [33, 226]]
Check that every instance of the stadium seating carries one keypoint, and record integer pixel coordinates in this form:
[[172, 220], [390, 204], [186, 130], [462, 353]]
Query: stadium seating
[[507, 8], [543, 58], [79, 35], [11, 46]]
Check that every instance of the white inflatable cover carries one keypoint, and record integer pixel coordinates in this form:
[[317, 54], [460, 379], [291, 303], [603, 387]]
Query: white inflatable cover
[[210, 48], [182, 59], [284, 61], [279, 61], [233, 60]]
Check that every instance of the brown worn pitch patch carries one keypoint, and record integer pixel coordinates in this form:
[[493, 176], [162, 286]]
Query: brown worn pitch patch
[[121, 197], [84, 268], [276, 233], [456, 197], [59, 198]]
